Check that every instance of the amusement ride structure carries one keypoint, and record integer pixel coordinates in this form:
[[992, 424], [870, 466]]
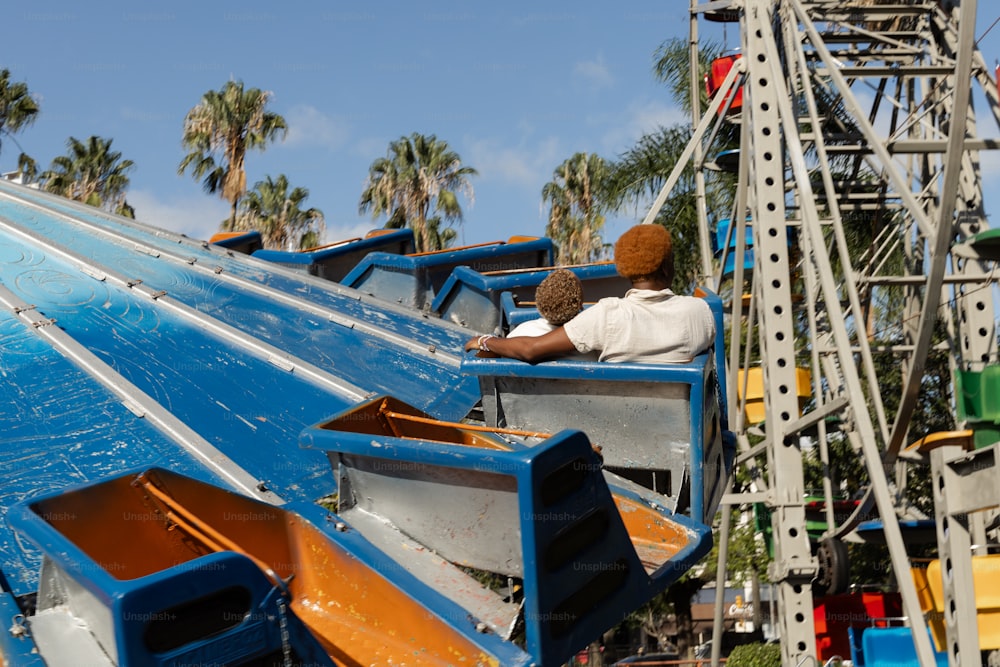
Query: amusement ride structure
[[860, 115]]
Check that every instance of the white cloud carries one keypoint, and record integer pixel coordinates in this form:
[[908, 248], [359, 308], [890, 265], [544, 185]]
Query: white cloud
[[524, 165], [594, 73], [343, 232], [639, 118], [371, 148], [197, 218], [310, 127]]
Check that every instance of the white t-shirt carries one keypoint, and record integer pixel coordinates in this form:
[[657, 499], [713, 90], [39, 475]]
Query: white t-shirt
[[536, 327], [645, 326], [540, 327]]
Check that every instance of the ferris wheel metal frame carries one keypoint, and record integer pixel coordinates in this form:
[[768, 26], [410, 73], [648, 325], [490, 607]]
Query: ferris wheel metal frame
[[902, 75]]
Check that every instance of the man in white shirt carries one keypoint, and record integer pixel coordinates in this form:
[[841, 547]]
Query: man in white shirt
[[649, 324]]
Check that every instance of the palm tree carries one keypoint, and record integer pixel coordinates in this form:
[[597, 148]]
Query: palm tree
[[276, 213], [27, 167], [577, 199], [641, 171], [91, 173], [220, 130], [439, 239], [418, 175], [18, 110]]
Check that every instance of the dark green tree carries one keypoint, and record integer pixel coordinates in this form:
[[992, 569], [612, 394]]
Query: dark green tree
[[91, 173], [277, 212], [577, 196], [419, 176], [219, 132], [18, 110]]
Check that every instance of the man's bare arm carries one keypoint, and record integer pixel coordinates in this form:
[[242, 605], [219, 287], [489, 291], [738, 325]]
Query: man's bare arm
[[526, 348]]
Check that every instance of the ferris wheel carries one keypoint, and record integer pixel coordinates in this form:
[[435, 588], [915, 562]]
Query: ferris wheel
[[859, 196]]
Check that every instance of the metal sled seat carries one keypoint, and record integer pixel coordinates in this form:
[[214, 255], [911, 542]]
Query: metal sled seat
[[153, 568], [661, 425], [241, 242], [414, 280], [334, 261], [452, 502]]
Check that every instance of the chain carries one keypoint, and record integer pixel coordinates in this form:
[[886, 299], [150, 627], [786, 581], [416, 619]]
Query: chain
[[286, 645]]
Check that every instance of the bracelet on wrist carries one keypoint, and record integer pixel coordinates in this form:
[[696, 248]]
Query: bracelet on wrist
[[482, 343]]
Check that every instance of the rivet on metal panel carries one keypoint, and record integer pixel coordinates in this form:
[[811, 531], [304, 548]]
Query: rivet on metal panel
[[281, 362], [93, 273], [43, 323], [152, 252], [20, 309], [157, 295], [218, 269], [134, 408], [344, 323]]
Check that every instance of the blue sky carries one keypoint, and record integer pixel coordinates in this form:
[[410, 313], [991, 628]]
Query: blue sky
[[515, 88]]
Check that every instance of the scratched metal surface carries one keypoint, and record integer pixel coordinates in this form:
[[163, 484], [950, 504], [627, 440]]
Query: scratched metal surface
[[361, 340], [60, 427], [245, 357], [249, 408]]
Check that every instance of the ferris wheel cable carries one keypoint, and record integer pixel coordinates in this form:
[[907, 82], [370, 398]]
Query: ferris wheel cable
[[737, 414], [875, 36], [817, 379], [992, 25], [947, 306], [853, 106]]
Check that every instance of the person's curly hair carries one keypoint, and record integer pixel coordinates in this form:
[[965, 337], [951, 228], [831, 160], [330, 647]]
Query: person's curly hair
[[642, 250], [559, 297]]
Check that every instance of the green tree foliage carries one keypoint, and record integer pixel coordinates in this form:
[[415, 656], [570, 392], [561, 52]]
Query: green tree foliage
[[419, 176], [27, 167], [577, 199], [934, 413], [275, 211], [641, 171], [18, 110], [91, 173], [220, 130], [755, 655], [672, 66]]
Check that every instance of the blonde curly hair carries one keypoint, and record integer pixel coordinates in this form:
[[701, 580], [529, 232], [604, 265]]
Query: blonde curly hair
[[642, 251], [559, 297]]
